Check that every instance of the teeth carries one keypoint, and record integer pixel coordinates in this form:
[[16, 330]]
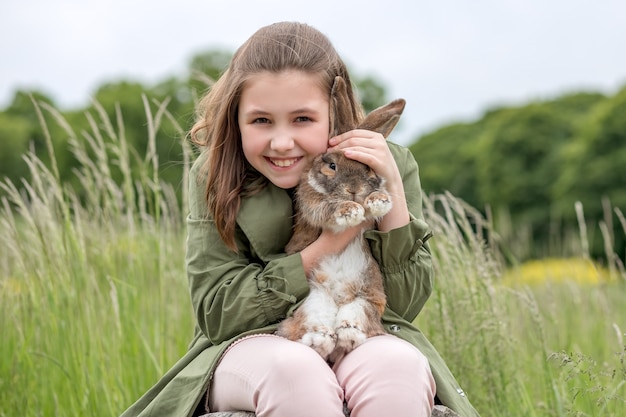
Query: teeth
[[284, 162]]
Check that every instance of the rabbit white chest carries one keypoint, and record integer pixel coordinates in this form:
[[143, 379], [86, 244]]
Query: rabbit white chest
[[335, 312], [346, 268]]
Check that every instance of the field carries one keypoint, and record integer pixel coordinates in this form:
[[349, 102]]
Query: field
[[94, 306]]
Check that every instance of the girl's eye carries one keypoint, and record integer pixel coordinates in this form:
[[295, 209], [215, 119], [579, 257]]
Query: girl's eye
[[303, 119], [261, 120]]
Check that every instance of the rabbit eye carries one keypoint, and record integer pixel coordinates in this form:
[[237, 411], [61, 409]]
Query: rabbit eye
[[332, 166]]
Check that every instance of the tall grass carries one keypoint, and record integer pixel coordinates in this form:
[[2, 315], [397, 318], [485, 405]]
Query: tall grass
[[550, 349], [94, 303], [93, 299]]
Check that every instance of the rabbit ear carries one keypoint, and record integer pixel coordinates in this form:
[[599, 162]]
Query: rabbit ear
[[342, 117], [385, 118]]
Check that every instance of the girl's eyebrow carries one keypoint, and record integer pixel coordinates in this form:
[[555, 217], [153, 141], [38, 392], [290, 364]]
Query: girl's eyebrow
[[261, 112], [256, 112], [304, 110]]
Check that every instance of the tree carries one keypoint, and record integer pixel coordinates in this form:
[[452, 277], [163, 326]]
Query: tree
[[21, 130], [593, 171], [513, 158], [447, 160], [371, 92], [15, 133], [205, 68], [518, 160]]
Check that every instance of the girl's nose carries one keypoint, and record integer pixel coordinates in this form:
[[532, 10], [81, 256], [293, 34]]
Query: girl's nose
[[282, 141]]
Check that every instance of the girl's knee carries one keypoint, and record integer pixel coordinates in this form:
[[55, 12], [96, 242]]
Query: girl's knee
[[392, 345], [272, 375], [300, 383], [404, 355], [383, 356], [293, 361], [386, 373]]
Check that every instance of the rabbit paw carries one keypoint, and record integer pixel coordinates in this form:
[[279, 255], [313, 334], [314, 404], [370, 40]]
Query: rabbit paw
[[349, 335], [321, 339], [349, 214], [378, 204]]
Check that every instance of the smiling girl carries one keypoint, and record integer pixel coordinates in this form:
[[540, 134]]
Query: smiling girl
[[259, 127]]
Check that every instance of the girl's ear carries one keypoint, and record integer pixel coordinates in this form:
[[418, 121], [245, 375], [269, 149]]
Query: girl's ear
[[343, 119]]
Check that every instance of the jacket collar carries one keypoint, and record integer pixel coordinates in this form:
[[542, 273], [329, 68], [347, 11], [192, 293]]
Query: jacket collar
[[266, 218]]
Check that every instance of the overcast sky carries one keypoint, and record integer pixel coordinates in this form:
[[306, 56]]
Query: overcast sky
[[450, 59]]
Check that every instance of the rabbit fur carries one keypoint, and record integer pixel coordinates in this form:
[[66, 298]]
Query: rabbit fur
[[347, 298]]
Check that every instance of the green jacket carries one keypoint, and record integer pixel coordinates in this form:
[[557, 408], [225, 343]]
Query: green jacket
[[236, 294]]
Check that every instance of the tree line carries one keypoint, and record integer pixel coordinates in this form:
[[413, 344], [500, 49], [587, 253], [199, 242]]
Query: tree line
[[526, 166], [547, 171]]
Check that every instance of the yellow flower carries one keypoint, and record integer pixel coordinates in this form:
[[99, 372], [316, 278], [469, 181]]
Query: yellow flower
[[578, 270]]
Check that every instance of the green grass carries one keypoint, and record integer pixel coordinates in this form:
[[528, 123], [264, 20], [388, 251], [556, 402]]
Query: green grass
[[94, 305], [550, 349]]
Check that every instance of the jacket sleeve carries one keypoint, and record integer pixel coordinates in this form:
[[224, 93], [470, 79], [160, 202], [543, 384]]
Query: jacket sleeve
[[232, 293], [403, 254]]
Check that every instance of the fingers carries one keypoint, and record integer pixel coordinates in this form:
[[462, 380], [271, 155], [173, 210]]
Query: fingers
[[366, 147], [357, 137], [362, 145]]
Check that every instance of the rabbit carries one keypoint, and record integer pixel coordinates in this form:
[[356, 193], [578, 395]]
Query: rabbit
[[347, 298]]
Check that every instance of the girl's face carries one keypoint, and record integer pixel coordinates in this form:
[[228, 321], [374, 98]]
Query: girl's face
[[283, 119]]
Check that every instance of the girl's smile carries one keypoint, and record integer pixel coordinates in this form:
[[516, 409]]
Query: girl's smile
[[284, 123], [285, 163]]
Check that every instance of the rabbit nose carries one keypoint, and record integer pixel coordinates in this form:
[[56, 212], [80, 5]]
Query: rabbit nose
[[351, 192]]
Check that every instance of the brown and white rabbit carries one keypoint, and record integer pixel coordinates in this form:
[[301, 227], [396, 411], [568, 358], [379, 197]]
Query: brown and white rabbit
[[347, 298]]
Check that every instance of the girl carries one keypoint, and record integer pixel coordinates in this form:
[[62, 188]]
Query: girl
[[259, 126]]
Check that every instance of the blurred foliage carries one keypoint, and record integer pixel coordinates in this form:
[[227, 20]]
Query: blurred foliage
[[527, 166], [371, 93]]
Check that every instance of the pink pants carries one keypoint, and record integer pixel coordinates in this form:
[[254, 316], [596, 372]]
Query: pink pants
[[274, 377]]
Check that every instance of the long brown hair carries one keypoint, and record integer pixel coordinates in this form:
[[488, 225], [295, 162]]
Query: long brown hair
[[274, 48]]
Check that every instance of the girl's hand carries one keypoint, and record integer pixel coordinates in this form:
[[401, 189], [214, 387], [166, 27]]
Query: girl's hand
[[371, 149]]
